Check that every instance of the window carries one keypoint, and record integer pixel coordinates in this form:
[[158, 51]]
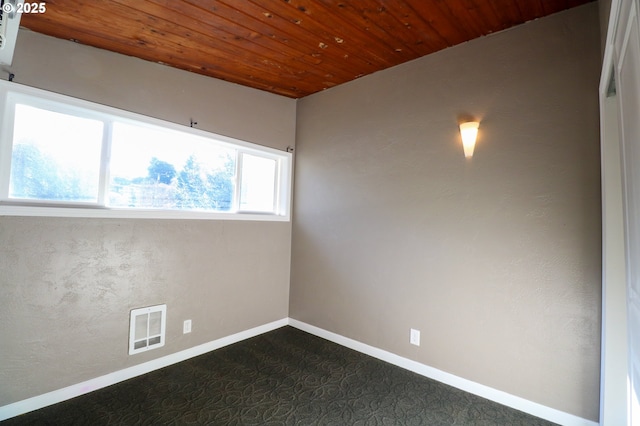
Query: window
[[259, 178], [65, 157], [54, 169], [151, 167]]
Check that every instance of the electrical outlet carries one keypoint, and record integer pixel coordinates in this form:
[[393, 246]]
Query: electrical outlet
[[414, 338], [186, 327]]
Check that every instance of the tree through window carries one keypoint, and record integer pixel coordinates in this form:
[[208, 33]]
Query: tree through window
[[71, 153]]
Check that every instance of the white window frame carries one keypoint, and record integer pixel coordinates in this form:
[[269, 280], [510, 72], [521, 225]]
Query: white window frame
[[10, 93]]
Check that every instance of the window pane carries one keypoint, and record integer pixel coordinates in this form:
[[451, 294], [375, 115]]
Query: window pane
[[153, 167], [155, 323], [55, 156], [141, 329], [140, 344], [257, 192]]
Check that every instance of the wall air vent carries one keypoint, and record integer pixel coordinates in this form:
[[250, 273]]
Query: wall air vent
[[147, 328], [9, 24]]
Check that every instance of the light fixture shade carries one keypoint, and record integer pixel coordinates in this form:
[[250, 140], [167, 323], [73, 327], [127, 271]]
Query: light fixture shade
[[469, 133]]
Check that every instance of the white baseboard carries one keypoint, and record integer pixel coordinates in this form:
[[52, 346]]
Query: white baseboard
[[50, 398], [54, 397], [533, 408]]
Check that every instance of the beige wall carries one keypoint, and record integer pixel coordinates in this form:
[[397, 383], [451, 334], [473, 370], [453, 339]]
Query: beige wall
[[67, 285], [497, 260]]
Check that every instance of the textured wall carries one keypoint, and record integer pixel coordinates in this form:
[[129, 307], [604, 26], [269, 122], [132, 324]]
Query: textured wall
[[67, 285], [496, 260]]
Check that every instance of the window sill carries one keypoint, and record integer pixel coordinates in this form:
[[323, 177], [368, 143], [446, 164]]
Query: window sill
[[106, 213]]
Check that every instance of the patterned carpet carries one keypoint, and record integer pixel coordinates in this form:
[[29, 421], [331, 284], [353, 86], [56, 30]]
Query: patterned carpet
[[284, 377]]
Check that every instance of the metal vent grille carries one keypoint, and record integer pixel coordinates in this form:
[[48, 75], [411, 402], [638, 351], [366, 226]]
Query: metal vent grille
[[147, 328]]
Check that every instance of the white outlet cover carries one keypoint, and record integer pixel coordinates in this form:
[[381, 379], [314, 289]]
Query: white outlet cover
[[414, 338], [186, 327]]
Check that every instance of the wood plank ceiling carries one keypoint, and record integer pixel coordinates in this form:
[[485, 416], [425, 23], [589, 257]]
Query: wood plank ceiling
[[288, 47]]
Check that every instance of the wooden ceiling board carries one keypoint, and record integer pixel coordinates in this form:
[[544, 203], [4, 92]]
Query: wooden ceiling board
[[230, 31], [153, 39], [288, 47], [201, 40], [441, 20], [295, 32], [507, 11], [312, 23], [132, 48]]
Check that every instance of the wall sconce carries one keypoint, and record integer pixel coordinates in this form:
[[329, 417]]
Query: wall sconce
[[469, 133]]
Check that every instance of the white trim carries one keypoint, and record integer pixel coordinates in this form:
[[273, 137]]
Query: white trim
[[111, 213], [627, 34], [607, 69], [54, 397], [614, 397], [530, 407]]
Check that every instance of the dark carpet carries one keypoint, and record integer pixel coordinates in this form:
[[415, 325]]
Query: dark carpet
[[284, 377]]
